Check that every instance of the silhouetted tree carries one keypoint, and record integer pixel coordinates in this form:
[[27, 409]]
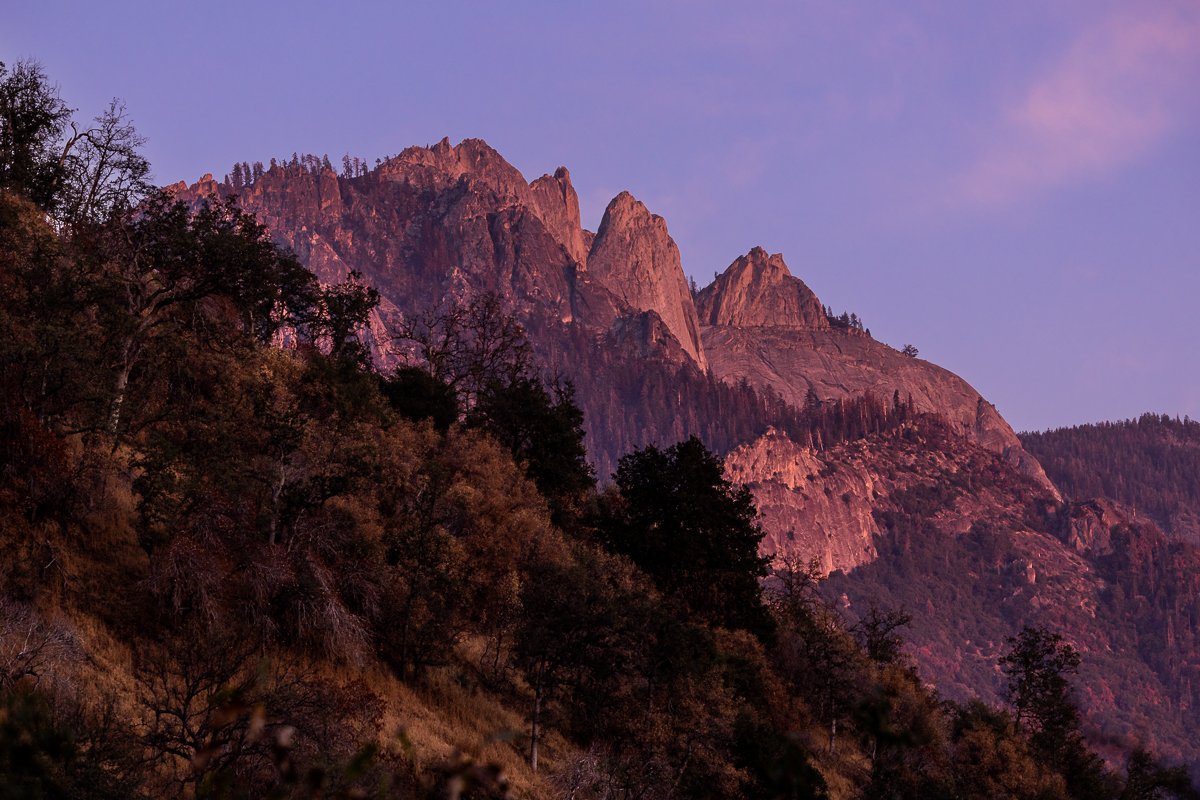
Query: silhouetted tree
[[1038, 665], [469, 347], [33, 119], [693, 532], [544, 435], [566, 637], [167, 262], [341, 313], [876, 632], [815, 653], [416, 395], [76, 174], [1147, 779]]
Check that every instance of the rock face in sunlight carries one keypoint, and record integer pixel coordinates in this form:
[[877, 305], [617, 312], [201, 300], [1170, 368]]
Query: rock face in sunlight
[[635, 257], [839, 364], [806, 507], [321, 476], [558, 205], [765, 326], [758, 290], [444, 223], [826, 503]]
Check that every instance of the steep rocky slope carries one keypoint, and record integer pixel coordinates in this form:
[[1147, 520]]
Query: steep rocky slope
[[976, 555], [923, 520], [765, 326], [557, 204], [612, 311], [758, 290], [638, 261], [1151, 463], [437, 224], [825, 503]]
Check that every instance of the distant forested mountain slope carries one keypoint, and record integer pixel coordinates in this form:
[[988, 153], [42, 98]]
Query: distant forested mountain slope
[[1151, 463]]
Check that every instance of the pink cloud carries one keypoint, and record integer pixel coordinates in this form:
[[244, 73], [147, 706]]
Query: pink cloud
[[1121, 88]]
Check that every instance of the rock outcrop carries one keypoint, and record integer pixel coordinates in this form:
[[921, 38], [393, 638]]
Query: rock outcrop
[[442, 165], [556, 202], [429, 226], [825, 504], [765, 326], [1090, 524], [758, 290], [638, 261], [806, 508], [447, 222]]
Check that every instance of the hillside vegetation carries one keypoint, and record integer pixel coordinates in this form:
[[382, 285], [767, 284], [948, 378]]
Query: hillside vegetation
[[1151, 463]]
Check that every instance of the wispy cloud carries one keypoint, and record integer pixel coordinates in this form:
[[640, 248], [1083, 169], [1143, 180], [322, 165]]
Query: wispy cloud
[[1120, 88]]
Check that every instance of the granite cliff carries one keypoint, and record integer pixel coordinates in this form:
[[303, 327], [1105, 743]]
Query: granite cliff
[[442, 223], [765, 326], [637, 260], [758, 290]]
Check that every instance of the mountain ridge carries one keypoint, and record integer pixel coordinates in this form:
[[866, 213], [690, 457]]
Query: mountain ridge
[[629, 288]]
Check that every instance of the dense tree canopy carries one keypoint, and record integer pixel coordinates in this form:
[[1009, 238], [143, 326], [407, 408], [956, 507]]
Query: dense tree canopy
[[1149, 463]]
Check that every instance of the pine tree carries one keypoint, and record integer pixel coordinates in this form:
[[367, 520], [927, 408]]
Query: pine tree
[[1038, 665], [694, 532]]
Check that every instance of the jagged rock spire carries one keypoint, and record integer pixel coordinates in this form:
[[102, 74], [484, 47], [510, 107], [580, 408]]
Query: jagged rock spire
[[636, 259], [758, 290]]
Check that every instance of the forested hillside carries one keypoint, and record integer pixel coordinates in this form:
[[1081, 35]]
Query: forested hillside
[[1151, 463]]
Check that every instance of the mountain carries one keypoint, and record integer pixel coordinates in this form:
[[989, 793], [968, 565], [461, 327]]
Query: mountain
[[975, 552], [636, 259], [242, 555], [441, 224], [1151, 464], [894, 475], [758, 291], [766, 326], [924, 520]]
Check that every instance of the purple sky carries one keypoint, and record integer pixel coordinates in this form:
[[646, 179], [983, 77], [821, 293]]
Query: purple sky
[[1012, 187]]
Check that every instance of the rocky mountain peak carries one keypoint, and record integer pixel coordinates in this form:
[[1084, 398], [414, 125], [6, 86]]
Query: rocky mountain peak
[[440, 165], [759, 290], [555, 201], [635, 258]]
